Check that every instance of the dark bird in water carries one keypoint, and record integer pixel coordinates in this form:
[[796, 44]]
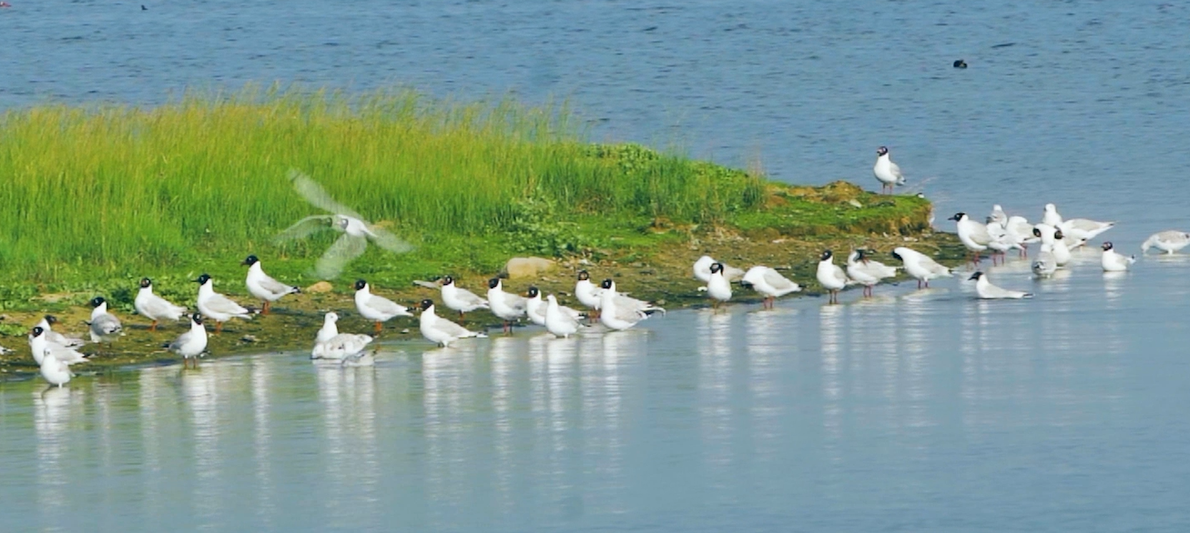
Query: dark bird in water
[[959, 63], [143, 8]]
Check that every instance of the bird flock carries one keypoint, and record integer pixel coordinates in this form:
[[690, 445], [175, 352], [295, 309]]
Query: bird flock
[[601, 304]]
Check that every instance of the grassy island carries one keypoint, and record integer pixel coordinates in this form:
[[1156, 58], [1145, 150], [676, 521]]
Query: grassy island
[[97, 197]]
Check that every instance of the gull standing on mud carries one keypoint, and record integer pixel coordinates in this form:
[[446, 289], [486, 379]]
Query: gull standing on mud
[[866, 271], [376, 308], [39, 345], [217, 306], [154, 307], [831, 276], [1113, 261], [920, 266], [770, 283], [987, 291], [440, 330], [459, 299], [620, 312], [505, 305], [535, 307], [1168, 241], [356, 231], [192, 344], [702, 270], [718, 288], [104, 325], [559, 320], [886, 172], [587, 293], [57, 338], [263, 286]]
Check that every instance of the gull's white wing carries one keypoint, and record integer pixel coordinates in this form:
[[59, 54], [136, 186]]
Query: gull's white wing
[[514, 301], [304, 227], [450, 328], [777, 281], [317, 196], [343, 251], [838, 274], [223, 304], [386, 306], [385, 239], [933, 266], [470, 297], [895, 169], [274, 286], [181, 340]]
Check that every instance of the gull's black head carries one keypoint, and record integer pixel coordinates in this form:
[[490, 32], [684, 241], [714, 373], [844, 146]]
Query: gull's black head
[[583, 275], [37, 331], [957, 216], [360, 284], [533, 292], [146, 283], [1107, 246], [1059, 235], [882, 150], [250, 260], [97, 301], [197, 318], [1036, 232], [448, 280], [826, 255], [976, 275], [493, 283], [203, 279], [861, 255], [897, 256], [607, 283], [426, 304], [51, 319], [716, 267], [959, 63]]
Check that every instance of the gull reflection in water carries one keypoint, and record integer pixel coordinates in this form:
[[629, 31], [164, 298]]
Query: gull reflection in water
[[348, 399], [52, 412], [1113, 288], [830, 340]]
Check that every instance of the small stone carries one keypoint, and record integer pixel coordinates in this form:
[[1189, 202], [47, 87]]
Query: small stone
[[527, 267], [319, 288], [405, 331], [248, 338]]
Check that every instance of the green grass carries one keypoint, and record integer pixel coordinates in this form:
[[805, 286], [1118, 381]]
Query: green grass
[[95, 197]]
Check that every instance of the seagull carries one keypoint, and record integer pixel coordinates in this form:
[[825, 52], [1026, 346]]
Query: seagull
[[887, 172], [770, 283], [702, 270], [333, 346], [998, 217], [1050, 216], [718, 288], [217, 306], [1083, 229], [54, 371], [505, 305], [39, 345], [1045, 265], [154, 307], [1002, 242], [104, 325], [461, 300], [1021, 233], [560, 320], [588, 293], [920, 266], [1056, 241], [831, 276], [536, 307], [973, 235], [376, 308], [263, 286], [1168, 241], [356, 231], [55, 337], [867, 272], [440, 330], [192, 344], [987, 291], [620, 312], [1114, 261]]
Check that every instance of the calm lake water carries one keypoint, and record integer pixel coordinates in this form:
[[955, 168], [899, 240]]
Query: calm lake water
[[916, 411]]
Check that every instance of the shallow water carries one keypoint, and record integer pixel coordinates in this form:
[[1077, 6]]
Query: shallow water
[[913, 411]]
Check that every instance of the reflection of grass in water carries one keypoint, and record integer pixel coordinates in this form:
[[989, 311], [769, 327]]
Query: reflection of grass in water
[[94, 198]]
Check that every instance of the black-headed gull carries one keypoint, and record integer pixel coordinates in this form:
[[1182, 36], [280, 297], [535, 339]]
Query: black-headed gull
[[560, 320], [535, 307], [376, 308], [1168, 241], [831, 276], [972, 234], [505, 305], [770, 283], [987, 291], [460, 299], [39, 344], [867, 272], [620, 312], [1056, 241], [440, 330], [104, 325], [588, 293], [886, 172], [1113, 261], [718, 288], [192, 344], [217, 306], [356, 231], [263, 286], [920, 266], [702, 270], [55, 337], [154, 307], [1021, 233]]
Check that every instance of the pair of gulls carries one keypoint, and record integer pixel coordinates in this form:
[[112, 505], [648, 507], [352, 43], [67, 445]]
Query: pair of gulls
[[719, 277], [861, 269], [54, 352]]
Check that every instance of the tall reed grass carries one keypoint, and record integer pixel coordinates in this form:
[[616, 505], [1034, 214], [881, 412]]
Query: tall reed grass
[[115, 188]]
